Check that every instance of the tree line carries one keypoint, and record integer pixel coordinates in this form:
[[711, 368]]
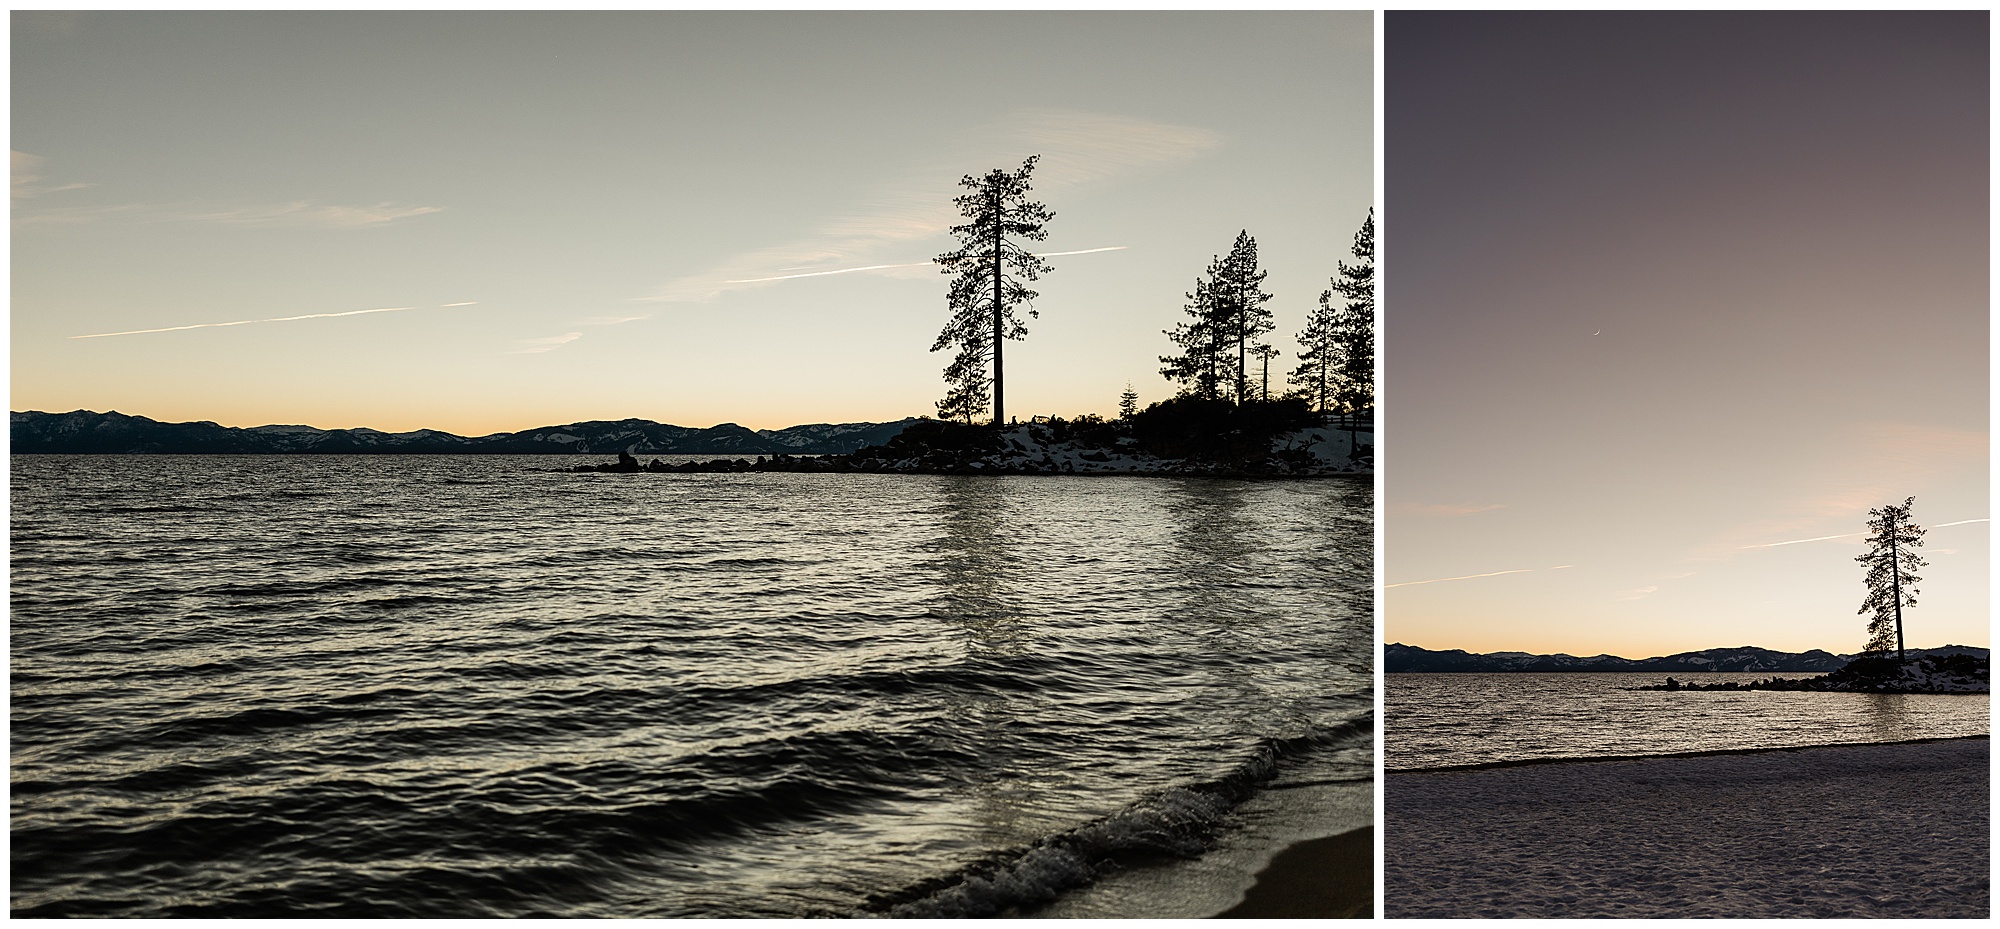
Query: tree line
[[1228, 320]]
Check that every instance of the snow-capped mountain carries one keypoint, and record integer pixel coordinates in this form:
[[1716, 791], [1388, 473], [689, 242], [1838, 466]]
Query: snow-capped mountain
[[1399, 658], [84, 432]]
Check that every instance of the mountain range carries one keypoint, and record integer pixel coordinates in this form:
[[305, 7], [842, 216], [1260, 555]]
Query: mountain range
[[1399, 658], [83, 432]]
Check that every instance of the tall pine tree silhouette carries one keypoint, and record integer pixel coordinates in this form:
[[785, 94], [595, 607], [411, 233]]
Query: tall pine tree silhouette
[[1891, 560], [983, 295], [1243, 299]]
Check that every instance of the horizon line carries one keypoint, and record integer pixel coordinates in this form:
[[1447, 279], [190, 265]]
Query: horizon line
[[1671, 654]]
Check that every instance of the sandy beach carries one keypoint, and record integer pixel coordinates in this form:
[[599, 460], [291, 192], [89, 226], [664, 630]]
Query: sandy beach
[[1886, 830], [1330, 878]]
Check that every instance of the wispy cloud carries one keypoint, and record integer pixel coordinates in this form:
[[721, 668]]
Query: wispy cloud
[[274, 319], [296, 214], [24, 175], [26, 172], [1454, 509], [1639, 593], [546, 344], [309, 213], [1089, 148], [1076, 148], [1878, 462]]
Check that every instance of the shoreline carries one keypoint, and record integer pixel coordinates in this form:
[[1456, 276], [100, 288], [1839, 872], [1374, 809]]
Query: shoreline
[[1327, 878], [1884, 829], [845, 464], [1591, 759]]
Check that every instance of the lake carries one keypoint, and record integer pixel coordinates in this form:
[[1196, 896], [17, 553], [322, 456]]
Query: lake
[[475, 686], [1438, 720]]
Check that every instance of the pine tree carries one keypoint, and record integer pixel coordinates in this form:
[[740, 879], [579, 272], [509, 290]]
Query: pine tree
[[970, 391], [1337, 369], [1315, 374], [999, 217], [1199, 367], [1354, 325], [1242, 304], [1128, 402], [1264, 353], [1892, 560]]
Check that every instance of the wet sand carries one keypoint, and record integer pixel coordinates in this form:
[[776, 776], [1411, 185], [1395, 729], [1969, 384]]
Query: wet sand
[[1325, 878], [1886, 830]]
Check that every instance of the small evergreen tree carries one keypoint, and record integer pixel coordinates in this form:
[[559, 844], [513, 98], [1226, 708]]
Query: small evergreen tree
[[1128, 402], [999, 217], [1891, 560], [1264, 353], [1314, 377]]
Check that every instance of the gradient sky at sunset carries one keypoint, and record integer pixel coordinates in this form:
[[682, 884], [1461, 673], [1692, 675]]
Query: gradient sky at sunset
[[582, 216], [1665, 296]]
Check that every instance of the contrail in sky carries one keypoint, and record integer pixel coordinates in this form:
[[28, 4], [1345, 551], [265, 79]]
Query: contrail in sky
[[1461, 577], [1844, 535], [1817, 538], [275, 319], [787, 277], [914, 264]]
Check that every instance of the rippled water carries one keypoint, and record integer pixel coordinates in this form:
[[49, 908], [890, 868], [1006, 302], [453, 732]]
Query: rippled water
[[1434, 720], [472, 686]]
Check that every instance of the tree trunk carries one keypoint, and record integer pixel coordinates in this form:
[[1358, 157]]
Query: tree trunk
[[999, 317], [1896, 574], [1242, 338]]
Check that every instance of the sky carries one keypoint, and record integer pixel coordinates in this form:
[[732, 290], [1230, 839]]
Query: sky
[[482, 222], [1669, 299]]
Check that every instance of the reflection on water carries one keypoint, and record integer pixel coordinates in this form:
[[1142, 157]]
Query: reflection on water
[[1889, 714], [978, 564]]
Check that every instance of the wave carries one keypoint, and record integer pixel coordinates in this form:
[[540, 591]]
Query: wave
[[1178, 822]]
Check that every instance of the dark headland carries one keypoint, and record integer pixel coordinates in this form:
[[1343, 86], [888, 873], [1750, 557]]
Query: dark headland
[[1185, 437], [1926, 674], [1945, 669]]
